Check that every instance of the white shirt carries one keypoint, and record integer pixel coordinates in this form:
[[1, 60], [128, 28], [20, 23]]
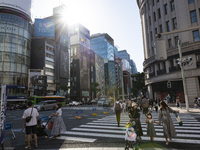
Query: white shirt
[[59, 111], [34, 114], [130, 134]]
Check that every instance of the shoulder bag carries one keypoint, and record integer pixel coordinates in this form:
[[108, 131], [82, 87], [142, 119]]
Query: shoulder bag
[[28, 119]]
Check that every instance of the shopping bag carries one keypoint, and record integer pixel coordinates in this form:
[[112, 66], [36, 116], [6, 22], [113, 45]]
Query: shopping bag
[[51, 125], [178, 120]]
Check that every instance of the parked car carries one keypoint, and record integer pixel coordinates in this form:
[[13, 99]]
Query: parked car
[[74, 103], [46, 105], [101, 101], [88, 103], [22, 106], [93, 101], [107, 103], [80, 103]]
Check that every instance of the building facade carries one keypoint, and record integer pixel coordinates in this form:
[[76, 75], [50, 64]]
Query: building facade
[[15, 45], [103, 45], [80, 63], [165, 16]]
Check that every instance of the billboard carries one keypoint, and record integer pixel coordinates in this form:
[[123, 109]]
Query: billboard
[[44, 27], [64, 64], [33, 74], [21, 5]]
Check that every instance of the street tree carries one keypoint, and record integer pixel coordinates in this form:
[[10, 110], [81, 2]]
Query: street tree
[[94, 88]]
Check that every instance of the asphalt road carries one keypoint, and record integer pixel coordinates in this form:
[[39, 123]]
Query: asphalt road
[[102, 131]]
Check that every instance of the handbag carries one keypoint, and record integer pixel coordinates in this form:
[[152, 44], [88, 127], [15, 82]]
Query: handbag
[[51, 125], [28, 119], [178, 120]]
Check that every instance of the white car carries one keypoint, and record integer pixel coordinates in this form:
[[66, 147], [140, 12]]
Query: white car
[[74, 103], [101, 101]]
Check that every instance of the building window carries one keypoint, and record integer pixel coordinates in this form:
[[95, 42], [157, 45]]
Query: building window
[[161, 31], [190, 1], [172, 5], [71, 51], [153, 3], [196, 35], [152, 50], [75, 51], [168, 26], [170, 43], [159, 14], [171, 63], [176, 40], [149, 20], [154, 14], [166, 9], [193, 16], [174, 23], [157, 1], [151, 36], [156, 32]]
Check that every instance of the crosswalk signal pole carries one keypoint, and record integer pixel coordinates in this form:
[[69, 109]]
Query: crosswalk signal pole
[[183, 75]]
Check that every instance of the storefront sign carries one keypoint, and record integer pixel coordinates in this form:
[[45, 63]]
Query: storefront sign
[[85, 93], [3, 111]]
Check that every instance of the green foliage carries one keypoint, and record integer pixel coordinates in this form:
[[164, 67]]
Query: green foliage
[[94, 88], [138, 84]]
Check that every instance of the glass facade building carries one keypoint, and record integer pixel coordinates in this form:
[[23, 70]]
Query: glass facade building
[[15, 44], [133, 67]]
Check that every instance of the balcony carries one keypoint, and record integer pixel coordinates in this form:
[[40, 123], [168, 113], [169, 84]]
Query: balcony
[[198, 64], [152, 74], [162, 71], [174, 68]]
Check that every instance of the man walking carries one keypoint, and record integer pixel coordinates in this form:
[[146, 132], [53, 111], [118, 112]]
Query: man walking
[[118, 109], [145, 105], [129, 104], [31, 126]]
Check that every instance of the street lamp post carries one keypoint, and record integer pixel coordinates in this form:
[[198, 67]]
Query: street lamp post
[[183, 76]]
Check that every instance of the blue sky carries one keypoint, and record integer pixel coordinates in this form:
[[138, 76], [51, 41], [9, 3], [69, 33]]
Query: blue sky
[[119, 18]]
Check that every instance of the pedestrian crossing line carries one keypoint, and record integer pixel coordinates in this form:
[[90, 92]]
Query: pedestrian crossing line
[[123, 132], [145, 119], [160, 139], [76, 139], [144, 129], [157, 126]]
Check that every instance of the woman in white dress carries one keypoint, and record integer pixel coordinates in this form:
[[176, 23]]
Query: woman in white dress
[[58, 126]]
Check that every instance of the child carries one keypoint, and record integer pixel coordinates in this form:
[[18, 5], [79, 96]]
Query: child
[[150, 127], [130, 135]]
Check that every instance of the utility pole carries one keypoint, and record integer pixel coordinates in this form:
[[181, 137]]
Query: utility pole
[[122, 80]]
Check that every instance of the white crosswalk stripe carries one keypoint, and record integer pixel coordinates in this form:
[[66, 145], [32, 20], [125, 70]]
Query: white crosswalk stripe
[[107, 127]]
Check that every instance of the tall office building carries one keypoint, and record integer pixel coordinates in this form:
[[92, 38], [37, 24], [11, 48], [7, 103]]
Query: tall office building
[[133, 67], [103, 45], [15, 45], [165, 16], [80, 63], [50, 50]]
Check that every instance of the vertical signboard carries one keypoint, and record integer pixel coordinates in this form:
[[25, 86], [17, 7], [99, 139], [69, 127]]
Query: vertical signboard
[[3, 111], [44, 28], [32, 81]]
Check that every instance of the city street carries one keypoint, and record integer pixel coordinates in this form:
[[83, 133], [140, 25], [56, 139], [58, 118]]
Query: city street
[[102, 131]]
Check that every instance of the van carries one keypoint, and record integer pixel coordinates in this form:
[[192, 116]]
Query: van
[[101, 102], [45, 105]]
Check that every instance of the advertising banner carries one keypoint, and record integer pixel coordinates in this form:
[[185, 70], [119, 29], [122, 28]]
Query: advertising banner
[[44, 28], [64, 64], [33, 73], [3, 111], [21, 5]]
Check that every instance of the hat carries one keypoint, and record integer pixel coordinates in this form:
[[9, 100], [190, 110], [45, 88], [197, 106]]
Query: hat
[[134, 104]]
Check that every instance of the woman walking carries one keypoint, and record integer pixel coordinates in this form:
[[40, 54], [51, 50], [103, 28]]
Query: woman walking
[[58, 126], [134, 114], [164, 116]]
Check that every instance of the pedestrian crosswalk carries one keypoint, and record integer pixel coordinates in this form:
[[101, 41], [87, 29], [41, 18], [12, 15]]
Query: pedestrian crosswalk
[[106, 127]]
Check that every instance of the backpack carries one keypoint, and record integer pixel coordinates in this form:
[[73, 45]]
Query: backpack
[[117, 107]]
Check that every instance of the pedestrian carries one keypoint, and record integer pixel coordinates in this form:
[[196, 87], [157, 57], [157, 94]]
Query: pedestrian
[[151, 103], [196, 102], [145, 105], [123, 107], [150, 127], [168, 126], [134, 114], [129, 104], [156, 104], [165, 100], [118, 110], [31, 125], [59, 125], [159, 102], [178, 102]]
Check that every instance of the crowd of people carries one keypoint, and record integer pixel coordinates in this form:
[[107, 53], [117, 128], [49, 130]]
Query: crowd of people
[[146, 106]]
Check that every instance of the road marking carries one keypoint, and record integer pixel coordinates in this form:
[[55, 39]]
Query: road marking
[[107, 127], [122, 137], [123, 132], [76, 139]]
